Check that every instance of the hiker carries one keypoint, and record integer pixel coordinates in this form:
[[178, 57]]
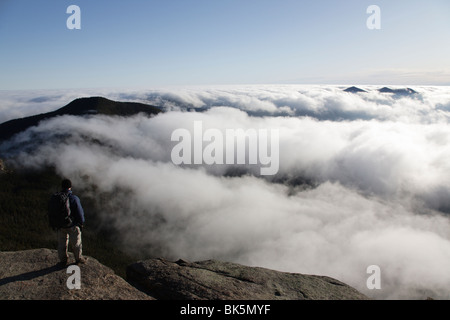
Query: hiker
[[72, 233]]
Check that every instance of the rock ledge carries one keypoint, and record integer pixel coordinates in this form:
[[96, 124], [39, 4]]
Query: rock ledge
[[34, 275], [216, 280]]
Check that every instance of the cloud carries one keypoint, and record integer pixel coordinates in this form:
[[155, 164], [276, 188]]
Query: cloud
[[316, 101], [377, 185]]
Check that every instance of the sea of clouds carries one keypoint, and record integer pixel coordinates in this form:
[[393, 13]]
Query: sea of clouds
[[363, 178]]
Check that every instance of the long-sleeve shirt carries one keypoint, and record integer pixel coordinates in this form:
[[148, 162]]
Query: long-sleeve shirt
[[76, 210]]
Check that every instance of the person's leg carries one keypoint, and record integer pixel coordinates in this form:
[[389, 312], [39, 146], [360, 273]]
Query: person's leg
[[75, 240], [63, 239]]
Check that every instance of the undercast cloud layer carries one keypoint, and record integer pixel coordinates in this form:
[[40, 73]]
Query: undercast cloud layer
[[363, 178]]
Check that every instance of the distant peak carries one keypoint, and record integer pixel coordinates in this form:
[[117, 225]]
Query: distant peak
[[401, 91], [354, 89]]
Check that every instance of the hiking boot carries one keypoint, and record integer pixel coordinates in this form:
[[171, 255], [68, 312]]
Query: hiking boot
[[82, 260]]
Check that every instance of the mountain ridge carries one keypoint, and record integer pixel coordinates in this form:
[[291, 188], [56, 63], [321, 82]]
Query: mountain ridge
[[78, 107]]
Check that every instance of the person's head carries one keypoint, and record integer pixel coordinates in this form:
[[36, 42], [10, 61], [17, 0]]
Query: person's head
[[66, 184]]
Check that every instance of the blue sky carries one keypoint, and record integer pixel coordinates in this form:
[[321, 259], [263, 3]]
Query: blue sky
[[140, 43]]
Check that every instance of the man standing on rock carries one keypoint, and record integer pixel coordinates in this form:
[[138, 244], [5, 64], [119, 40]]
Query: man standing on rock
[[72, 233]]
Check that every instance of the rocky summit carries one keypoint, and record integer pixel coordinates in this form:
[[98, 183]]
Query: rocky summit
[[35, 275], [217, 280]]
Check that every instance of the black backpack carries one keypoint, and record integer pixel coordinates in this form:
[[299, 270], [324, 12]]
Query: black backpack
[[59, 211]]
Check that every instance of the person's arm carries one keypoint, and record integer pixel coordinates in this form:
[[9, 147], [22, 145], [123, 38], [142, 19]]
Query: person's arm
[[79, 211]]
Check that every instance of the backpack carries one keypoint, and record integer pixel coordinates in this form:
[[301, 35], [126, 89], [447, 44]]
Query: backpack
[[59, 211]]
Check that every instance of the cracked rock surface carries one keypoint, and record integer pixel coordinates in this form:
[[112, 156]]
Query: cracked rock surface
[[35, 275], [217, 280]]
